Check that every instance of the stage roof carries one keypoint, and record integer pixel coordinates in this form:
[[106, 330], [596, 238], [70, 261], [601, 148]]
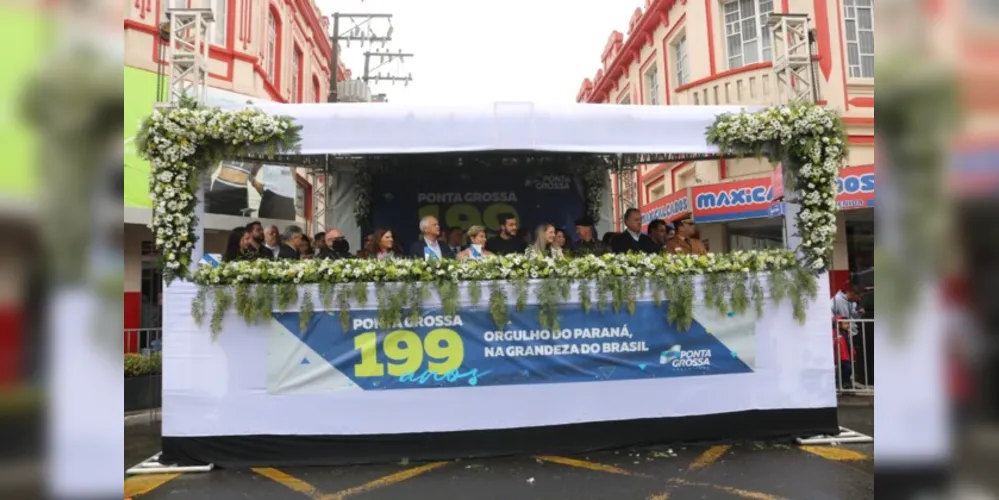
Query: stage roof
[[355, 129]]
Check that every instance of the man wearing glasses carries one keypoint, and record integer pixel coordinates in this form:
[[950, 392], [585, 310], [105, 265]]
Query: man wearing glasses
[[684, 241]]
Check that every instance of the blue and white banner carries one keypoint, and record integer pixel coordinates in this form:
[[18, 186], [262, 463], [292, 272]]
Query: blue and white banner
[[467, 350]]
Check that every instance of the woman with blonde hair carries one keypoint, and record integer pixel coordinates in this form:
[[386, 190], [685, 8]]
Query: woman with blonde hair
[[476, 244], [544, 243]]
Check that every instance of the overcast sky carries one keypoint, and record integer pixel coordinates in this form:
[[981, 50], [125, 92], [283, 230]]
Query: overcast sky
[[481, 50]]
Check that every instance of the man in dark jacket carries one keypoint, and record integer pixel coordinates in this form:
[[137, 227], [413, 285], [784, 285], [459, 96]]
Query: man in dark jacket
[[276, 247], [632, 239], [337, 246]]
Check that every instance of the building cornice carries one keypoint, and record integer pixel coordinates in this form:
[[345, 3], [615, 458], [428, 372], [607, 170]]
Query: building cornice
[[643, 25]]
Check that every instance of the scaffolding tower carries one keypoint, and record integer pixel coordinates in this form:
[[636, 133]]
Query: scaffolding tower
[[187, 54], [626, 177], [792, 54], [320, 195]]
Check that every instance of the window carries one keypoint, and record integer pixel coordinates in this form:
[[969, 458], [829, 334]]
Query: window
[[217, 31], [682, 64], [746, 31], [652, 86], [316, 90], [220, 8], [686, 179], [859, 19], [272, 46], [761, 237], [166, 5], [657, 192], [296, 75]]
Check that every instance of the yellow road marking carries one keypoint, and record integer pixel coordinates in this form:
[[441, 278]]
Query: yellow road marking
[[661, 496], [835, 453], [741, 493], [710, 456], [583, 464], [290, 482], [388, 480], [144, 483]]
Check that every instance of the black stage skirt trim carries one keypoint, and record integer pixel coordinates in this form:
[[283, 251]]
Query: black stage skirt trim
[[315, 450]]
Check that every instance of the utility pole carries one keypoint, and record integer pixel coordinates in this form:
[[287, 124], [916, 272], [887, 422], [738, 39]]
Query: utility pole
[[385, 58], [361, 30]]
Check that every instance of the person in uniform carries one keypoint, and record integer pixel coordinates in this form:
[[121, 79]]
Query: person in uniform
[[684, 241], [588, 243]]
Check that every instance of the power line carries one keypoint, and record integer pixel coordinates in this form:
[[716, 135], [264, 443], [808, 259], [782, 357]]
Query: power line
[[362, 29], [383, 59]]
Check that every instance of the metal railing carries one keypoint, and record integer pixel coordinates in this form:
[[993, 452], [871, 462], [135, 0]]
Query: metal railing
[[143, 340], [143, 380], [854, 355]]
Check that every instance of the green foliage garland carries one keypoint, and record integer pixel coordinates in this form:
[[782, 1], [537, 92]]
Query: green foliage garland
[[731, 282]]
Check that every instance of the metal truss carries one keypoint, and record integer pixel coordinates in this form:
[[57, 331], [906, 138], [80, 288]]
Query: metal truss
[[792, 58], [625, 162], [633, 160], [187, 54], [320, 199]]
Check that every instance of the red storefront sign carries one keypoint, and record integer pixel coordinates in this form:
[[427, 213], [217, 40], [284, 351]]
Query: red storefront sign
[[668, 208], [752, 198], [855, 187]]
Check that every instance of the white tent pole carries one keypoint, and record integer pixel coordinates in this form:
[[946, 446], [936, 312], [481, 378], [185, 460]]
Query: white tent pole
[[792, 238], [199, 225]]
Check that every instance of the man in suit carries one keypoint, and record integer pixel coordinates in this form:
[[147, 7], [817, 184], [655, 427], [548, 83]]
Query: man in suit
[[428, 247], [632, 239], [276, 249], [454, 240], [658, 230]]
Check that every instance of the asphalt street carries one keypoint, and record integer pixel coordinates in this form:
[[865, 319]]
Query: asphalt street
[[752, 470]]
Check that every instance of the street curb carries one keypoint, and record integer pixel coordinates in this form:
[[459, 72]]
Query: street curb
[[142, 417]]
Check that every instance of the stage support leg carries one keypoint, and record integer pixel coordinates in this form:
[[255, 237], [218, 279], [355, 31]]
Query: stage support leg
[[845, 436], [152, 465], [792, 239], [199, 227]]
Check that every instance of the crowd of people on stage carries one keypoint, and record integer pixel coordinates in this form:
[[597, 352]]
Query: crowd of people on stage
[[254, 242]]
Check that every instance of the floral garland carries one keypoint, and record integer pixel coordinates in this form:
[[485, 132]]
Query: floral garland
[[731, 282], [811, 142], [184, 142]]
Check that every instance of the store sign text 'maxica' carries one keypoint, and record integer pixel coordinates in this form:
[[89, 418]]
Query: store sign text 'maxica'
[[752, 198]]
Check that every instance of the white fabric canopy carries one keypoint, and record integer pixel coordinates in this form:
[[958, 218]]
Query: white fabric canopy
[[385, 128]]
